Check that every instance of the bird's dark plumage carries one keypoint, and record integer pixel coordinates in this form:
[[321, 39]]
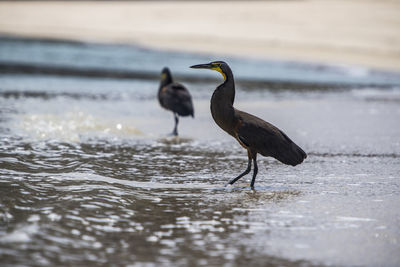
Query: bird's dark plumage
[[267, 140], [174, 97], [254, 134]]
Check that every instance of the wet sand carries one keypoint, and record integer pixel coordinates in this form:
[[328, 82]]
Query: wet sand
[[365, 33]]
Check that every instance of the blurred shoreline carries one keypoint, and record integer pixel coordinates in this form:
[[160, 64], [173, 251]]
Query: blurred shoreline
[[361, 33], [55, 57]]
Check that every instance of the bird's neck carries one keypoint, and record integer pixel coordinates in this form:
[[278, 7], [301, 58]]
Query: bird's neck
[[222, 104], [165, 81], [225, 92]]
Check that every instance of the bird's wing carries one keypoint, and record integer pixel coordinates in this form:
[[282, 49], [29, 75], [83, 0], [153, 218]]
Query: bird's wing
[[177, 98], [178, 87], [266, 139], [180, 92]]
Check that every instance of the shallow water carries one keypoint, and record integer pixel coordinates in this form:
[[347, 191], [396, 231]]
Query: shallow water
[[89, 177]]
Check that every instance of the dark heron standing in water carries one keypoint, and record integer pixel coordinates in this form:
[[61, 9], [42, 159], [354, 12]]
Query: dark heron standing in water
[[252, 133], [174, 97]]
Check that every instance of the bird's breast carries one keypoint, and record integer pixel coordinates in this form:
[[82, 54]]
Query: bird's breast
[[223, 117]]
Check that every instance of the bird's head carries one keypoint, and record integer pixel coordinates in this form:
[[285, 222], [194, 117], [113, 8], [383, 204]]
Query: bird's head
[[219, 66], [166, 76]]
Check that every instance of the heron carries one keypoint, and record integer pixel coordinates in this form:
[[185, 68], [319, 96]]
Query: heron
[[253, 134], [174, 97]]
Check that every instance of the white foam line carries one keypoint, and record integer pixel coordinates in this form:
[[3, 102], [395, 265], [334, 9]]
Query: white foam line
[[354, 219], [131, 183]]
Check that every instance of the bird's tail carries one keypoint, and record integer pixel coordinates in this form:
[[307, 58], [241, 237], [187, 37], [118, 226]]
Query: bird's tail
[[292, 154], [296, 155]]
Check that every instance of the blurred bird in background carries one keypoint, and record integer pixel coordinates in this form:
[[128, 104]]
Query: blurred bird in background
[[174, 97]]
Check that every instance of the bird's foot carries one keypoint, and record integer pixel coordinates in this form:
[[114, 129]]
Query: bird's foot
[[175, 134]]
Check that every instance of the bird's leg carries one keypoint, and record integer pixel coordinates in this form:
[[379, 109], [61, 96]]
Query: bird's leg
[[254, 172], [231, 182], [175, 131]]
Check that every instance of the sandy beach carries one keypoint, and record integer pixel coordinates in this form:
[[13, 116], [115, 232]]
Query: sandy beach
[[356, 32]]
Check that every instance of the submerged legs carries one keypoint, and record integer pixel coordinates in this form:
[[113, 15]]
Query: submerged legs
[[252, 157], [243, 173], [253, 180], [175, 131]]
